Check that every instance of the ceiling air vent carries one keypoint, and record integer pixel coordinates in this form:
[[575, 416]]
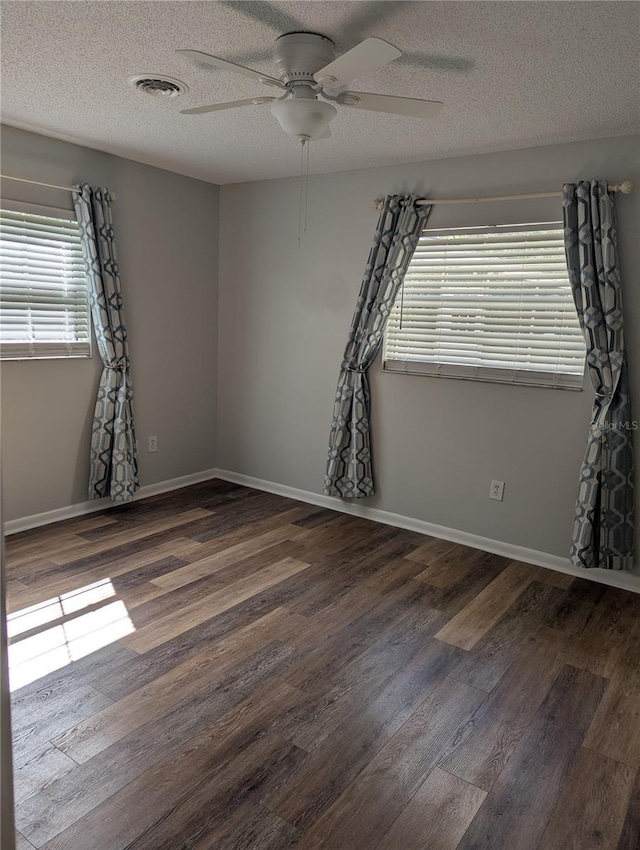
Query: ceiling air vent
[[158, 86]]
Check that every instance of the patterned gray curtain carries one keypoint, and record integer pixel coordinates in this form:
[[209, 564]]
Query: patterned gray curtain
[[603, 527], [349, 470], [114, 463]]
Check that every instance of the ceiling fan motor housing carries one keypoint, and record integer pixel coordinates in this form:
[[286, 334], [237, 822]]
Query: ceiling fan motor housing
[[300, 54]]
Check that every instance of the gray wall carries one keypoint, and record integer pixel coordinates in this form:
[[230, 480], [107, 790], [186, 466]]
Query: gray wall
[[283, 319], [166, 236]]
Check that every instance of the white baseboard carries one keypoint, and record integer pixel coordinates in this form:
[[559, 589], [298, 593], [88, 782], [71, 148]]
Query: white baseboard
[[13, 526], [613, 578]]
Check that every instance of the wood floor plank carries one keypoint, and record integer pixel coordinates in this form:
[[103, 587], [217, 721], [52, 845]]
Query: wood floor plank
[[50, 538], [131, 515], [499, 649], [183, 682], [172, 601], [259, 507], [489, 606], [232, 781], [357, 684], [579, 605], [226, 710], [452, 599], [516, 811], [139, 594], [553, 578], [449, 568], [22, 843], [143, 571], [382, 579], [437, 816], [603, 639], [344, 532], [226, 539], [591, 809], [101, 663], [318, 516], [207, 566], [315, 672], [67, 578], [614, 731], [114, 825], [53, 531], [344, 753], [215, 603], [432, 549], [25, 567], [630, 837], [138, 669], [19, 595], [340, 572], [201, 812], [84, 548], [38, 770], [35, 732], [504, 718], [251, 827], [381, 791]]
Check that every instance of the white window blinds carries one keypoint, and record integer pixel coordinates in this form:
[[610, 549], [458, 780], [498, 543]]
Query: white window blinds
[[489, 303], [44, 310]]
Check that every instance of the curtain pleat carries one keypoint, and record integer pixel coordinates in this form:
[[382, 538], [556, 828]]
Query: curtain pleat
[[113, 459], [349, 466], [603, 529]]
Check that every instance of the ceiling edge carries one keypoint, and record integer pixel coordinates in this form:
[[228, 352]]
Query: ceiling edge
[[113, 150]]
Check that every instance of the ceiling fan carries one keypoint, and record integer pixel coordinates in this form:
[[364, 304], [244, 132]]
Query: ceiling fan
[[308, 70]]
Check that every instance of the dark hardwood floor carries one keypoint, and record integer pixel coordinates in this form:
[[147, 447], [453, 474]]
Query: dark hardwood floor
[[220, 669]]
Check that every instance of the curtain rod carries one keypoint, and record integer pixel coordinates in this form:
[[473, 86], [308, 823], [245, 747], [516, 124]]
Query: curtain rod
[[47, 185], [626, 188]]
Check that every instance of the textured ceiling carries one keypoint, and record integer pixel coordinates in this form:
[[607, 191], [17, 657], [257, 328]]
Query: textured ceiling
[[511, 74]]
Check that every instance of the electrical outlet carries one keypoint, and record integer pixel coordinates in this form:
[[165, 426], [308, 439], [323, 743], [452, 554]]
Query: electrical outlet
[[153, 444], [496, 491]]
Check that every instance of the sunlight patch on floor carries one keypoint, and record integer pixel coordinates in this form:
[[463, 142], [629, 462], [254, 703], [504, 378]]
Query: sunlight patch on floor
[[55, 632]]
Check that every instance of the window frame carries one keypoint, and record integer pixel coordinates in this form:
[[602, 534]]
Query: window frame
[[47, 350], [501, 375]]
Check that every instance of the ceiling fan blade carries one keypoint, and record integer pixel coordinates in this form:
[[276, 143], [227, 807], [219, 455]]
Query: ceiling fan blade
[[411, 106], [232, 104], [370, 54], [217, 62]]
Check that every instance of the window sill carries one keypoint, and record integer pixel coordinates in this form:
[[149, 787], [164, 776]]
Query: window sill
[[542, 380]]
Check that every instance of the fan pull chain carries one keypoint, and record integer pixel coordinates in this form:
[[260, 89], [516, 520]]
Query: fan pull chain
[[302, 143], [306, 187]]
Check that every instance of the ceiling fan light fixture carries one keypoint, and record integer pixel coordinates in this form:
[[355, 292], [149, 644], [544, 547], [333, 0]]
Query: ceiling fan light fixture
[[303, 118]]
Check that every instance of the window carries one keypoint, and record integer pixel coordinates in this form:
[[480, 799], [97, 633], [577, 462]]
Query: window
[[491, 304], [44, 310]]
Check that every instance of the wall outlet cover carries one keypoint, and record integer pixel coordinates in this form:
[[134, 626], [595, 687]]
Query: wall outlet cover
[[496, 491]]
